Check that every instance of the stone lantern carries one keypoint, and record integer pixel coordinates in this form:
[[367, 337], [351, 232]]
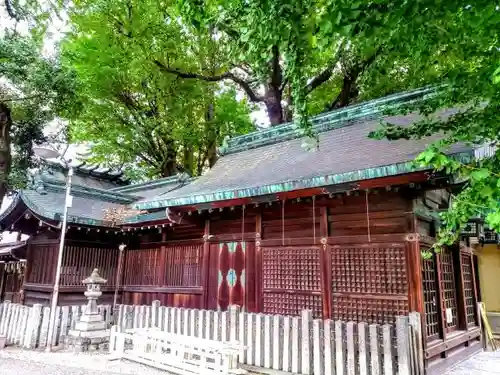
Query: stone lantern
[[93, 292], [90, 333]]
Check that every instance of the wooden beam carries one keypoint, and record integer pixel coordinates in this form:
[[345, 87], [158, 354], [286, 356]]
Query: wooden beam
[[163, 259], [415, 285], [205, 270], [476, 287], [461, 304], [441, 303], [258, 262]]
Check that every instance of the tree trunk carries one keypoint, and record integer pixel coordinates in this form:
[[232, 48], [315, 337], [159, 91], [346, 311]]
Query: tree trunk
[[348, 93], [188, 159], [5, 155], [169, 167], [274, 108]]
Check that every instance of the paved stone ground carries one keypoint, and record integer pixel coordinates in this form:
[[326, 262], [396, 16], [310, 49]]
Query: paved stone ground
[[486, 363], [24, 362]]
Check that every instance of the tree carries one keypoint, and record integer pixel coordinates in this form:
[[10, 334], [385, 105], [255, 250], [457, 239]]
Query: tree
[[470, 83], [134, 115], [304, 57], [33, 90]]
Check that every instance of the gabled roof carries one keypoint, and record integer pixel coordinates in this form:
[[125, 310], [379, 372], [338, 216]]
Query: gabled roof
[[13, 251], [94, 192], [150, 189], [273, 161]]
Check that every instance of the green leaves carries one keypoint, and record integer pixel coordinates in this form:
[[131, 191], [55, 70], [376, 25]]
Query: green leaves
[[496, 76], [480, 174], [37, 91], [134, 115]]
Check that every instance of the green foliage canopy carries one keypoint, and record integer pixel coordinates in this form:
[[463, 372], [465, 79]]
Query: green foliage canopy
[[133, 114]]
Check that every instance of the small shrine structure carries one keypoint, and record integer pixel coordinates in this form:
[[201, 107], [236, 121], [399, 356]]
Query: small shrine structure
[[272, 228]]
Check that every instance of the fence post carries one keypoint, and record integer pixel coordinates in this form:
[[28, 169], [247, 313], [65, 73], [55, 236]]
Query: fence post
[[234, 313], [306, 341], [352, 354], [34, 323], [418, 349], [318, 353], [5, 315], [45, 327], [340, 346], [277, 342], [375, 359], [387, 332], [268, 348], [403, 345], [154, 313]]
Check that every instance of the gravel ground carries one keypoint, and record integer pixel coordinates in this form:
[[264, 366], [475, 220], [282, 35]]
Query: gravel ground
[[485, 363], [23, 362]]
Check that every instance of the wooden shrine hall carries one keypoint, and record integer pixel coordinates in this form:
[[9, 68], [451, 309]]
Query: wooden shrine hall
[[271, 227]]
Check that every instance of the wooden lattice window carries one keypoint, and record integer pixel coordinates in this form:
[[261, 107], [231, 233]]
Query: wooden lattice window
[[448, 290], [431, 306], [183, 265], [291, 280], [468, 278], [369, 283], [142, 267]]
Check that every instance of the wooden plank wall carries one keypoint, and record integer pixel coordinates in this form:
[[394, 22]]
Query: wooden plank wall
[[79, 260], [290, 249]]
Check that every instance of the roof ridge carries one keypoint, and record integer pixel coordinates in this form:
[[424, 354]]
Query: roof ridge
[[83, 190], [84, 169], [326, 121], [154, 183]]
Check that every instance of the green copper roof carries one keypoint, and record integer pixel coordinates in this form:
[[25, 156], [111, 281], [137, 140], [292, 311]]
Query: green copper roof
[[137, 189], [327, 121], [273, 161], [314, 182]]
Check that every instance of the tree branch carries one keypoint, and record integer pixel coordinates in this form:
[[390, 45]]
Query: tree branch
[[215, 78], [11, 11], [349, 88], [327, 72], [276, 73]]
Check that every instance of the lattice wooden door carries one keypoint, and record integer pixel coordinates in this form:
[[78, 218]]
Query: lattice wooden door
[[291, 280], [369, 282], [448, 290], [431, 304], [470, 300]]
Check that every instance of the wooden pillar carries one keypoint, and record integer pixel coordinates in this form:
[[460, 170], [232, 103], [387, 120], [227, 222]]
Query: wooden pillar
[[3, 276], [415, 283], [205, 271], [441, 304], [325, 262], [29, 264], [119, 273], [162, 263], [461, 304], [258, 262], [476, 287]]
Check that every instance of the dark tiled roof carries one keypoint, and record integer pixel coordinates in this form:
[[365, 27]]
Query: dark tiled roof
[[150, 189], [85, 210], [13, 251], [92, 197], [346, 154]]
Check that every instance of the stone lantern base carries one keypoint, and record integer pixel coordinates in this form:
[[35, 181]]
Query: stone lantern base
[[89, 334]]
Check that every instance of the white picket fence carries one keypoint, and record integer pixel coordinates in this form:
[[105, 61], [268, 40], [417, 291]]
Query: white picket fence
[[28, 326], [301, 345]]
